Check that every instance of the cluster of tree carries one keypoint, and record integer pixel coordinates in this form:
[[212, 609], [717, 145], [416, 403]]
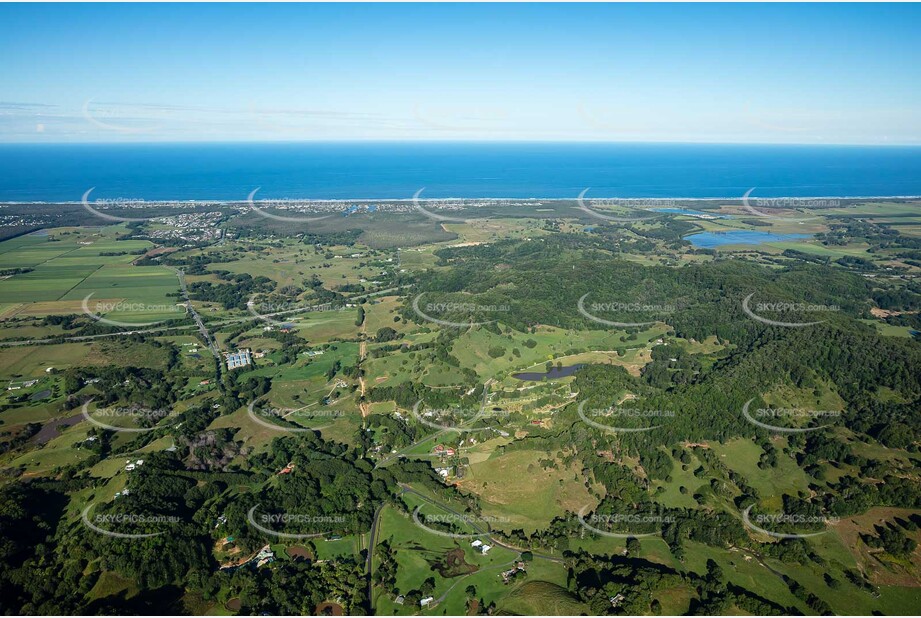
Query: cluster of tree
[[235, 293], [892, 539], [151, 389]]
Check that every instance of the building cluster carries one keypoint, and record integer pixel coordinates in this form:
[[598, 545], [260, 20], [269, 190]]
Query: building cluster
[[240, 358], [23, 220], [191, 227], [265, 556], [394, 206], [15, 386], [509, 575]]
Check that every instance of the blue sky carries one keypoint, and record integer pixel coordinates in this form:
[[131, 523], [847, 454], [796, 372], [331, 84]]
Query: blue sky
[[678, 73]]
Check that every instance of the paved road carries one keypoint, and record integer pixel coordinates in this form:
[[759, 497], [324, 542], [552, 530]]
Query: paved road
[[212, 345], [305, 309], [372, 541]]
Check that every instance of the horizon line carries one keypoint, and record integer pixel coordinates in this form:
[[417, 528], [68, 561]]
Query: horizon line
[[451, 141]]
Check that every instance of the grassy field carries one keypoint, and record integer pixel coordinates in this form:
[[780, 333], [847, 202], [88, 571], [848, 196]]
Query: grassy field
[[672, 496], [60, 451], [476, 231], [741, 455], [32, 361], [533, 598], [552, 344], [419, 552], [380, 313], [289, 262], [514, 487], [516, 490]]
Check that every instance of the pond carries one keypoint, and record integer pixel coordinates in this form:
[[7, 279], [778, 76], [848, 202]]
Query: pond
[[709, 240], [52, 429], [554, 373]]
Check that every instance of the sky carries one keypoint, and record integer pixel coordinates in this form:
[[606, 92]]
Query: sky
[[756, 73]]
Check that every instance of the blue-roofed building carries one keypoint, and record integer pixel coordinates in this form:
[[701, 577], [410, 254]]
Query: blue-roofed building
[[240, 358]]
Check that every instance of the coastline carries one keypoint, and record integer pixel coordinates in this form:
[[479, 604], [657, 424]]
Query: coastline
[[312, 200]]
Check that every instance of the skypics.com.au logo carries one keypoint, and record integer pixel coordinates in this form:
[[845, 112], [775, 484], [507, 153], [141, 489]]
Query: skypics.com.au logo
[[774, 520], [267, 311], [453, 419], [148, 418], [285, 204], [615, 413], [445, 524], [119, 203], [785, 204], [638, 205], [417, 204], [269, 417], [624, 525], [113, 524], [450, 308], [125, 308], [760, 417], [659, 311], [785, 308], [320, 525]]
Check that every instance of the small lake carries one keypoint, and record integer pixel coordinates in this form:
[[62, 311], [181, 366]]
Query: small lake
[[709, 240], [691, 213], [51, 429], [554, 373]]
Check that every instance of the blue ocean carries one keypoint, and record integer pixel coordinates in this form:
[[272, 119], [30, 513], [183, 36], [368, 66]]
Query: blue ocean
[[32, 172]]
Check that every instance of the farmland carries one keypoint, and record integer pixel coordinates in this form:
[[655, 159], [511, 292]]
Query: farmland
[[521, 423]]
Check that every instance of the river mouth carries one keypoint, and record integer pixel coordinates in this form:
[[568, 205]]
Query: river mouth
[[555, 373]]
